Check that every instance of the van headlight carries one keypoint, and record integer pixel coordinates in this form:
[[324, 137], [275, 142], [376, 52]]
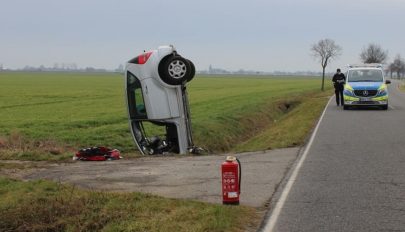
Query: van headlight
[[382, 92], [348, 92]]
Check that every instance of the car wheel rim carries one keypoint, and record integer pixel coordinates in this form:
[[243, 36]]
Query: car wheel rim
[[177, 69]]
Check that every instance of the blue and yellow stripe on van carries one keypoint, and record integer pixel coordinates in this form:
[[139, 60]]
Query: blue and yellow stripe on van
[[380, 98]]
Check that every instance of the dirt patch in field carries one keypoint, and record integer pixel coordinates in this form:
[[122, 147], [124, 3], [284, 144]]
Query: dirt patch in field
[[287, 106], [17, 146], [17, 169]]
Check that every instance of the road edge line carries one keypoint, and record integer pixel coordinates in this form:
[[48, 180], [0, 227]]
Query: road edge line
[[272, 220]]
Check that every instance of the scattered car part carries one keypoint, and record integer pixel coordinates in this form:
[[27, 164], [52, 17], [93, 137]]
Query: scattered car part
[[97, 154]]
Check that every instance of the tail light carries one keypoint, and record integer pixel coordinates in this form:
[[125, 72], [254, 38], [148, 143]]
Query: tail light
[[141, 59]]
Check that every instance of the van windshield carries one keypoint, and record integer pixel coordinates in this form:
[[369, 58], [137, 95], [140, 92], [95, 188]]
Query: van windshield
[[365, 75]]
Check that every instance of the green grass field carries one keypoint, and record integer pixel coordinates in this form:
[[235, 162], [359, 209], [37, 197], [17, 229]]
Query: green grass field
[[48, 206], [47, 115]]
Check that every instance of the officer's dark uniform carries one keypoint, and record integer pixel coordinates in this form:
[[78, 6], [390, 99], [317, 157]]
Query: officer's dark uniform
[[339, 82]]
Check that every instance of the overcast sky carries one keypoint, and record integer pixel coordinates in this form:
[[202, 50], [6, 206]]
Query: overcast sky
[[265, 35]]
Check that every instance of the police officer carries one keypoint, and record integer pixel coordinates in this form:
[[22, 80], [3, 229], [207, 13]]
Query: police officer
[[339, 82]]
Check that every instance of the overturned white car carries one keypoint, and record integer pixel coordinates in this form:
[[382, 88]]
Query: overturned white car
[[157, 101]]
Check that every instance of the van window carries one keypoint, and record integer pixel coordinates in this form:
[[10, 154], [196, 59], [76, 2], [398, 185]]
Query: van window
[[365, 75]]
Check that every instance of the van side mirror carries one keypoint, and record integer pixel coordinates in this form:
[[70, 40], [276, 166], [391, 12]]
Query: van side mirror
[[387, 82]]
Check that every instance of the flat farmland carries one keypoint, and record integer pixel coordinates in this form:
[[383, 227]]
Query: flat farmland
[[47, 115]]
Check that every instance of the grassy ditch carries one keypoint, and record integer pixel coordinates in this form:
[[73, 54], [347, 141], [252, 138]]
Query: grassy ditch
[[289, 129], [50, 115], [49, 206]]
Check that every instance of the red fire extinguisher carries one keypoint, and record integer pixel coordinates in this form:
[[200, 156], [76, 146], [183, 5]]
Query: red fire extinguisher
[[231, 179]]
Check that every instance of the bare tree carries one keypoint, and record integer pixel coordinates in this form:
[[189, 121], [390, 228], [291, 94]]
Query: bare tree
[[398, 66], [373, 54], [325, 50]]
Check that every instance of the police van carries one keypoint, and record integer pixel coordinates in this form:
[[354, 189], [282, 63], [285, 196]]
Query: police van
[[365, 86]]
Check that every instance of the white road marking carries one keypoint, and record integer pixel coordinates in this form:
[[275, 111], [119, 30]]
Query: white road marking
[[277, 209], [391, 107]]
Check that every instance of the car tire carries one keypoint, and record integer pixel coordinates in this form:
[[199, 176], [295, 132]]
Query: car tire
[[384, 107], [174, 70], [345, 107], [192, 74]]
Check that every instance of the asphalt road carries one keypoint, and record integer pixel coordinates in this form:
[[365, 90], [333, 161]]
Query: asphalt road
[[353, 175]]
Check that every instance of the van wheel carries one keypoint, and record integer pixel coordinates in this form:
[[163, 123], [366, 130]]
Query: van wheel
[[345, 107], [174, 70], [384, 107]]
